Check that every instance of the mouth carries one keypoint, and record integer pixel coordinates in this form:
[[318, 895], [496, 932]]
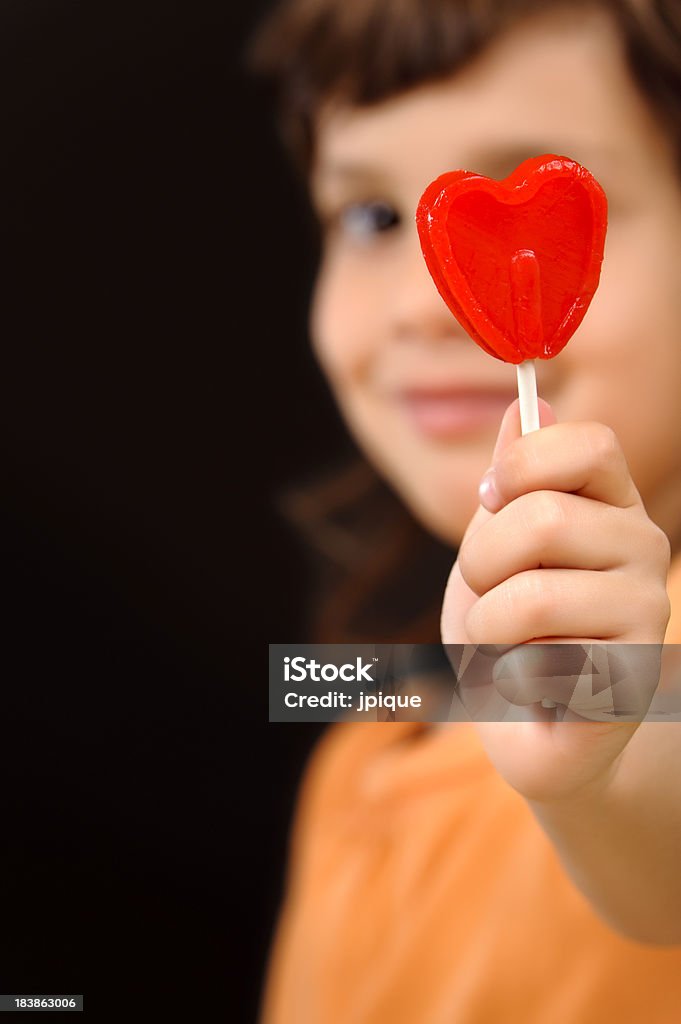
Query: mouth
[[449, 413]]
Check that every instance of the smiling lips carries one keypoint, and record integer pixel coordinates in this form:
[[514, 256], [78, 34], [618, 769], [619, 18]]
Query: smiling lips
[[453, 412]]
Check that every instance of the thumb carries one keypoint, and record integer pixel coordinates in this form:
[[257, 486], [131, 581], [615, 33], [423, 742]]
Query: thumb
[[459, 598], [510, 429]]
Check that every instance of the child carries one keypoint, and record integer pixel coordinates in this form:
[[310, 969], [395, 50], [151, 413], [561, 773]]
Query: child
[[496, 872]]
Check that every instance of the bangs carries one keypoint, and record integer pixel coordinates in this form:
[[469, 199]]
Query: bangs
[[364, 51]]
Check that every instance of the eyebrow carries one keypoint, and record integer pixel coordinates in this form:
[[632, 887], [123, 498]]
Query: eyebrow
[[494, 161], [499, 161], [333, 179], [348, 171]]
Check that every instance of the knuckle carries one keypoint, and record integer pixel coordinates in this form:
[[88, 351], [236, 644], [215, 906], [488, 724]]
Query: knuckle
[[604, 447], [653, 607], [660, 546], [546, 517], [533, 601], [482, 621], [659, 603], [521, 608], [469, 565], [474, 624]]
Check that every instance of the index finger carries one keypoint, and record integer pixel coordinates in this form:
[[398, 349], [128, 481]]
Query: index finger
[[577, 458]]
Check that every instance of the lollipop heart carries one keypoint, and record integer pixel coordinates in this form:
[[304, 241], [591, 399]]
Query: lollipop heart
[[517, 261]]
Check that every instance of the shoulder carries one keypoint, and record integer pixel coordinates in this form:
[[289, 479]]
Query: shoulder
[[340, 758], [335, 774]]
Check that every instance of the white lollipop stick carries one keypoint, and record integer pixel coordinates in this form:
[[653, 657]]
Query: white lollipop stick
[[527, 393], [529, 421]]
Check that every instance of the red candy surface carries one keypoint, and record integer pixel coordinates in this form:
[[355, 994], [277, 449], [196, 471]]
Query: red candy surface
[[517, 261]]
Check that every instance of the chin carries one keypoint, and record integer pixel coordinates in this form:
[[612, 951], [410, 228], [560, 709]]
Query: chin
[[442, 513], [438, 484]]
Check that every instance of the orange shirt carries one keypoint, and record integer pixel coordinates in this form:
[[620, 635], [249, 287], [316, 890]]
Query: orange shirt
[[422, 891]]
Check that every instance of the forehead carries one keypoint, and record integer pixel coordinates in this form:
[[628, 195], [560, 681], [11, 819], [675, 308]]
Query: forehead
[[557, 82]]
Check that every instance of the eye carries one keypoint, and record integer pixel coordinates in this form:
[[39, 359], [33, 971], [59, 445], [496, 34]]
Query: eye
[[363, 221]]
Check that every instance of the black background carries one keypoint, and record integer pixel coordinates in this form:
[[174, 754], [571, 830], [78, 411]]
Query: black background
[[158, 261]]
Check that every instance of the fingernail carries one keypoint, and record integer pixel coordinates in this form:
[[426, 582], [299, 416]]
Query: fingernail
[[488, 493]]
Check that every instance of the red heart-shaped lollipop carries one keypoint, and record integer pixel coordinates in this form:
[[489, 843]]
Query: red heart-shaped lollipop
[[517, 261]]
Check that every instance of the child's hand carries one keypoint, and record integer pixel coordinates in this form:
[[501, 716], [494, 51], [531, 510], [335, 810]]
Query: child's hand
[[563, 552]]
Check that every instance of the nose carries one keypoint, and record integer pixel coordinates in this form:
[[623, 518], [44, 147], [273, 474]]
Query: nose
[[419, 313]]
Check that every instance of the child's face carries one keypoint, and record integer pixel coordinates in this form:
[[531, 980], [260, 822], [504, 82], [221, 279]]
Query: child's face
[[423, 401]]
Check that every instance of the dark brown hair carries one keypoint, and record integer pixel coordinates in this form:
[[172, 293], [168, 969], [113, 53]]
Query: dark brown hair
[[386, 575], [364, 51]]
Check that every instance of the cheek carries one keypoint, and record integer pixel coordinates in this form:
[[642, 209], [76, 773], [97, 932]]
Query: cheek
[[643, 280], [624, 366], [633, 323], [344, 324]]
